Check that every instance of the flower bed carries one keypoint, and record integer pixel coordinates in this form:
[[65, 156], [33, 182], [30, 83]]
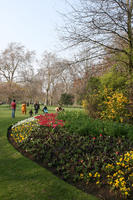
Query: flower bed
[[49, 120], [85, 161]]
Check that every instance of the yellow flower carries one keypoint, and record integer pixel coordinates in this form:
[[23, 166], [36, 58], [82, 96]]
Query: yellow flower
[[81, 175], [121, 119], [96, 174], [113, 111], [120, 172], [116, 185], [123, 183], [121, 178], [90, 174], [126, 193], [118, 163], [122, 164], [108, 176], [131, 174], [115, 174]]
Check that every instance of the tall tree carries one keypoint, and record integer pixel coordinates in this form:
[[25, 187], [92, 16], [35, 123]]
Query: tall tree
[[96, 24], [13, 60], [48, 73]]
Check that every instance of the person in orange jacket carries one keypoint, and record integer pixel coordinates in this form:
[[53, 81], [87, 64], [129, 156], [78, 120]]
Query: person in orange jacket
[[23, 108]]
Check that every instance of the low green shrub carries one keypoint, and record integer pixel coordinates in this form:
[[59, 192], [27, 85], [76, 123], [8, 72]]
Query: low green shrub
[[79, 123]]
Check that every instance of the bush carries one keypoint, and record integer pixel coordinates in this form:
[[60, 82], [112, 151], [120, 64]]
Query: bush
[[114, 106], [91, 100], [67, 99], [79, 123]]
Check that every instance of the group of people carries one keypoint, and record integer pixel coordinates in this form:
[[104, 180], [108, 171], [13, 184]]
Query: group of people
[[23, 108], [36, 108]]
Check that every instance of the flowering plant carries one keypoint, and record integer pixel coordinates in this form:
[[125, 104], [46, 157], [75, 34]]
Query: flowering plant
[[49, 120], [120, 173], [22, 130], [114, 106]]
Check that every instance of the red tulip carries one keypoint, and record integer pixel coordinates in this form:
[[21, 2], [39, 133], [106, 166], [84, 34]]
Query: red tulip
[[49, 120]]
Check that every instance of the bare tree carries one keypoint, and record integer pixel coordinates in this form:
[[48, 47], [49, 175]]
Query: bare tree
[[8, 92], [55, 76], [48, 73], [13, 60], [33, 91], [96, 24]]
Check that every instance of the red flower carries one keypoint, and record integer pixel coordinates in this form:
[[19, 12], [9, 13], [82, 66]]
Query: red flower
[[54, 125], [101, 135], [49, 120]]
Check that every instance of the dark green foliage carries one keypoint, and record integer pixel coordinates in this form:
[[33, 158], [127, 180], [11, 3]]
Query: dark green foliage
[[69, 155], [66, 99], [114, 80], [80, 123], [91, 98], [93, 85]]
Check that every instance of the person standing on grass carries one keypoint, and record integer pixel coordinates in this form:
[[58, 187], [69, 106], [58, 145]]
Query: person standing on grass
[[31, 113], [36, 107], [13, 107], [23, 108]]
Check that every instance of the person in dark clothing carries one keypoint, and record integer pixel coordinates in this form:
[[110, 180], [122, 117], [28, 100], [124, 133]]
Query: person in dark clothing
[[31, 113], [45, 110], [36, 107]]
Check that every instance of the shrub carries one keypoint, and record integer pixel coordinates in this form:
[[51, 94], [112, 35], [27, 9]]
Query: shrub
[[67, 99], [114, 106], [79, 123], [91, 100]]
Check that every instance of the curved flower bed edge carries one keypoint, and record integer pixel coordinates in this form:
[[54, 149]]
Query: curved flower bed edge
[[94, 189]]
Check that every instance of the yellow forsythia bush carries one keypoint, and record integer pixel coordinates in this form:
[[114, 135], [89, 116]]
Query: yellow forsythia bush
[[115, 106]]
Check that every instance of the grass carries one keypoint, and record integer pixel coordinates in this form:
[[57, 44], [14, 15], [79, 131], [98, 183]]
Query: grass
[[21, 178]]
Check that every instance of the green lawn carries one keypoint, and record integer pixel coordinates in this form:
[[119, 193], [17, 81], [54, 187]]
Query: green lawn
[[22, 179]]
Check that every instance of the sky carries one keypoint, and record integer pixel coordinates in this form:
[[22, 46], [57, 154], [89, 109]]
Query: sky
[[32, 23]]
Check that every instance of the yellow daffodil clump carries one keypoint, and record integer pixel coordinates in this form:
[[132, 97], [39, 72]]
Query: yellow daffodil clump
[[22, 131], [120, 174], [95, 177]]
